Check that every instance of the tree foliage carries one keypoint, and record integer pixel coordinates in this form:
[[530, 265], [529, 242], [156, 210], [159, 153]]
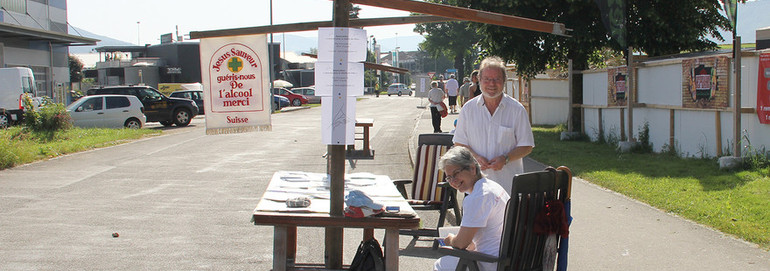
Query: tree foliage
[[76, 69], [457, 40], [655, 27]]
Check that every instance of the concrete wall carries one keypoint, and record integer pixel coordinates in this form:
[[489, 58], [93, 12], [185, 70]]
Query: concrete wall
[[696, 132]]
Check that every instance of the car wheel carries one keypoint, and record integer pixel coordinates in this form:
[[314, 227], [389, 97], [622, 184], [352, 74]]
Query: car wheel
[[296, 102], [167, 123], [388, 94], [276, 106], [5, 121], [399, 94], [133, 123], [182, 117]]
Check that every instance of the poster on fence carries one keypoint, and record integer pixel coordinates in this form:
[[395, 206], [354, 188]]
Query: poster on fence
[[705, 82], [235, 76], [616, 86], [763, 89]]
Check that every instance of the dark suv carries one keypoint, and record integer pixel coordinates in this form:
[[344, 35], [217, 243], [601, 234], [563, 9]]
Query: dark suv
[[157, 107]]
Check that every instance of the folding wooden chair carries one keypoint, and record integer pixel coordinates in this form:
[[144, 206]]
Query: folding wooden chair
[[520, 247], [429, 191]]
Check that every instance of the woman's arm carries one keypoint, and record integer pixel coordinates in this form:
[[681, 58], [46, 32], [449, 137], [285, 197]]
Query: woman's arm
[[463, 239]]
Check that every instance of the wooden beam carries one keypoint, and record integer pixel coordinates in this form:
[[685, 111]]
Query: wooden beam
[[309, 26], [468, 14], [372, 66]]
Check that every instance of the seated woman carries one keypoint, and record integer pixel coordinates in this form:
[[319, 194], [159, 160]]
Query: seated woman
[[483, 208]]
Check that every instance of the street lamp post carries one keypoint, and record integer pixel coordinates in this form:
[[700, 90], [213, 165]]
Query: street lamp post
[[138, 41]]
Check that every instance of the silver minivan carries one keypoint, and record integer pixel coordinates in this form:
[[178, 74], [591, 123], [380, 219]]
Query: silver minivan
[[399, 89]]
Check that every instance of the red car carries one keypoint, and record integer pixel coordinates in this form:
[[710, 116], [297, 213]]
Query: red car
[[296, 99]]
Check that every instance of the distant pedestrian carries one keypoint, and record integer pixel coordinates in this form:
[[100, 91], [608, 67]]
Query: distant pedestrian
[[441, 84], [436, 99], [475, 89], [465, 92], [451, 90]]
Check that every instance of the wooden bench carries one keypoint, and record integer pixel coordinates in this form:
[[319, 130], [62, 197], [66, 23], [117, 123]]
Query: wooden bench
[[366, 152]]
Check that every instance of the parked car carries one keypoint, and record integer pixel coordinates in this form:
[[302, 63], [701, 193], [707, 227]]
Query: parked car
[[296, 99], [309, 93], [157, 107], [399, 89], [280, 102], [108, 111], [195, 95]]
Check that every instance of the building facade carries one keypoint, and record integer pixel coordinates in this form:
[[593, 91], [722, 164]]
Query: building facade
[[34, 34]]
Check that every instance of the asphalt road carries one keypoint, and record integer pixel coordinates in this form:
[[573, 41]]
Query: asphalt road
[[182, 201]]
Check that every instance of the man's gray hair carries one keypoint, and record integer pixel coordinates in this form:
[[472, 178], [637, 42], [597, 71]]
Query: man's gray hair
[[494, 62], [459, 156]]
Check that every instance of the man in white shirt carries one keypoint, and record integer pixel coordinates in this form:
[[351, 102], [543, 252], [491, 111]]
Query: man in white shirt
[[495, 127], [451, 91]]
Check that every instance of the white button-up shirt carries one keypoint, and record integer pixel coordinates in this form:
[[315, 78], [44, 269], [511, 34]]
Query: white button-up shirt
[[493, 135]]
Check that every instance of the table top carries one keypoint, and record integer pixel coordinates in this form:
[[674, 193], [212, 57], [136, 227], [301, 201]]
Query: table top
[[272, 209]]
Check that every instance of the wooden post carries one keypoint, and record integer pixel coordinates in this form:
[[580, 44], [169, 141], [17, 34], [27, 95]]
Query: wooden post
[[623, 124], [570, 126], [337, 169], [671, 127], [737, 96], [601, 125], [630, 88], [718, 124]]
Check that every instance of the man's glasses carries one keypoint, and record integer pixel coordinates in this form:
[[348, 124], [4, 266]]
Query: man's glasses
[[492, 80], [453, 176]]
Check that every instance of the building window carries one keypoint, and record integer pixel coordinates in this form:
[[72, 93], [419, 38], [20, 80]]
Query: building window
[[19, 6]]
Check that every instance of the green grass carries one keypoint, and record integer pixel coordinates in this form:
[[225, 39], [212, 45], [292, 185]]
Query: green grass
[[733, 202], [19, 146]]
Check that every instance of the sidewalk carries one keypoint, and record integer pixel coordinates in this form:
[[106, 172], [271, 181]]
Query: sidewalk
[[613, 232]]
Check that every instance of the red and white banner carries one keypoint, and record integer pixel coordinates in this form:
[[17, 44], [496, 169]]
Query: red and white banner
[[235, 74], [763, 89]]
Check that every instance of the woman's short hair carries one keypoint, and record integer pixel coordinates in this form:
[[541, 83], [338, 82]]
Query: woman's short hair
[[459, 156], [494, 62]]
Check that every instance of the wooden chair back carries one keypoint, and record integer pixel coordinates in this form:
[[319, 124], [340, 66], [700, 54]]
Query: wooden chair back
[[426, 172], [521, 248]]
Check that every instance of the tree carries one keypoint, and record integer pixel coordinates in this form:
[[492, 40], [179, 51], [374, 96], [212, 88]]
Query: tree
[[655, 27], [456, 40], [76, 69]]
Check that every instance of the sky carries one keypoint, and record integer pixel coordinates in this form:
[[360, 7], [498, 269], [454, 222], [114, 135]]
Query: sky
[[118, 18]]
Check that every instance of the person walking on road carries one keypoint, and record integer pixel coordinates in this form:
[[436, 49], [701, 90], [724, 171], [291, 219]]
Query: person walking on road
[[495, 126], [475, 90], [451, 92], [436, 98], [464, 94]]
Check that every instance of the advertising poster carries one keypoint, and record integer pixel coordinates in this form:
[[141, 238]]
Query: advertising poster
[[234, 72], [617, 87], [705, 82], [763, 89]]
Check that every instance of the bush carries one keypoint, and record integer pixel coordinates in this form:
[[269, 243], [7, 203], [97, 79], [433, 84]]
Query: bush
[[48, 117]]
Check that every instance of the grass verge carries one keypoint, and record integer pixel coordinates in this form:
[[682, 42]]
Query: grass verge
[[19, 146], [733, 202]]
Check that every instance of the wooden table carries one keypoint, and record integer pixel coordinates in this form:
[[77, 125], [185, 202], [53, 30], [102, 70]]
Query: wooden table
[[285, 221]]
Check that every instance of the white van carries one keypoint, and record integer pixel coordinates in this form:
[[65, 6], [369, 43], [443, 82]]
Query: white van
[[15, 84]]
